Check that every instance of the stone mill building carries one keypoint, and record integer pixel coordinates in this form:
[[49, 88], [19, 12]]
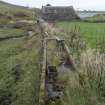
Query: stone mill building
[[53, 13]]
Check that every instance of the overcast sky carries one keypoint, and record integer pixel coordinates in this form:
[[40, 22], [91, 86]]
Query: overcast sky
[[82, 4]]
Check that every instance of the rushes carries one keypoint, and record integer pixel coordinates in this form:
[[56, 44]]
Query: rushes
[[89, 87], [93, 66], [93, 62]]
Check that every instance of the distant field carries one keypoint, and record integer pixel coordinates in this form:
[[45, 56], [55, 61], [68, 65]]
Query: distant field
[[91, 32], [100, 18]]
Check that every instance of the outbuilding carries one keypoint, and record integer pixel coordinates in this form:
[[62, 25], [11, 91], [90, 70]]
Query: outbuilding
[[53, 13]]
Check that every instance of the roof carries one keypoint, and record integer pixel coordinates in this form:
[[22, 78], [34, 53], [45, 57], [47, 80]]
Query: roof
[[58, 7]]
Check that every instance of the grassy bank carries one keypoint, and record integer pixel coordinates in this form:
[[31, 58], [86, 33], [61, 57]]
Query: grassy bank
[[19, 59], [19, 73]]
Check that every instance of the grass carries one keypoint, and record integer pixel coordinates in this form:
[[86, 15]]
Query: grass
[[19, 66], [8, 8], [10, 13], [87, 87], [19, 73], [9, 32], [7, 49], [90, 32], [19, 60], [100, 18]]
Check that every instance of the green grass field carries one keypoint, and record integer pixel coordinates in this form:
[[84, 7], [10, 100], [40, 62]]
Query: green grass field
[[92, 33]]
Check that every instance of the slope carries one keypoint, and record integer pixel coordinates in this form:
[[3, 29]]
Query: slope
[[19, 70]]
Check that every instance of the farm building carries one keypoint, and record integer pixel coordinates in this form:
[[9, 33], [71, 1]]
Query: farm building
[[53, 13]]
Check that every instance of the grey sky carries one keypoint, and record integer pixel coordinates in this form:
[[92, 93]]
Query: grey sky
[[82, 4]]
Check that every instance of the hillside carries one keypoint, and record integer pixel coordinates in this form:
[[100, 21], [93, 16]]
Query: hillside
[[19, 72], [10, 12]]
